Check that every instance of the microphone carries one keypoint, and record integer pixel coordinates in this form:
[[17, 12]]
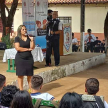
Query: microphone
[[30, 35]]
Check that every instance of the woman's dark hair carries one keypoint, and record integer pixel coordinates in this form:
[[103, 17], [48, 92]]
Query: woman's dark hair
[[71, 100], [19, 30], [22, 99], [7, 95]]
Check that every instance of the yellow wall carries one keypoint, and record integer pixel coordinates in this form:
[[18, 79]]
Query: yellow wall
[[18, 18], [94, 15]]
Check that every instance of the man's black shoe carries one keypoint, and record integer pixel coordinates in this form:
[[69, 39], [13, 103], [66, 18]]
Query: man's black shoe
[[48, 65], [56, 64]]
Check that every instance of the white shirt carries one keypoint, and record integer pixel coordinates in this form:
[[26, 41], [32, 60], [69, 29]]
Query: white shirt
[[86, 39], [74, 40], [60, 26], [44, 96], [105, 104]]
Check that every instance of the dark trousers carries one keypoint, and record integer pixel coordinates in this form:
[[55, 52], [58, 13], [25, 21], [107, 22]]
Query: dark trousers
[[90, 46], [53, 44], [74, 48], [102, 49], [97, 49]]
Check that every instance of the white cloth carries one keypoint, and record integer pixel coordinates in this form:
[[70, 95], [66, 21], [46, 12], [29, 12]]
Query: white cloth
[[74, 40], [44, 96], [60, 26], [105, 104], [86, 39], [10, 54]]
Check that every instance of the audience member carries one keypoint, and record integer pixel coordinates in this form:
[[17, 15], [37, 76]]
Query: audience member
[[74, 43], [97, 45], [89, 40], [7, 95], [103, 46], [36, 86], [22, 99], [90, 100], [71, 100], [2, 83]]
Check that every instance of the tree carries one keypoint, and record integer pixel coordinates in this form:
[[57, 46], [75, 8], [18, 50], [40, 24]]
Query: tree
[[106, 32], [7, 22]]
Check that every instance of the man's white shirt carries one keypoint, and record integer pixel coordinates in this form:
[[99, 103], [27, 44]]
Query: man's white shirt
[[86, 38], [74, 40]]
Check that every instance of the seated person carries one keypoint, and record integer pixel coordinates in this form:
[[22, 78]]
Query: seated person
[[2, 83], [97, 45], [74, 43], [92, 88], [71, 100], [103, 46], [7, 95], [36, 86], [89, 40], [22, 99]]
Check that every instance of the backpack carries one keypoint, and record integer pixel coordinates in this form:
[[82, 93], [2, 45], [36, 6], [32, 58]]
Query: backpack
[[90, 101], [39, 103]]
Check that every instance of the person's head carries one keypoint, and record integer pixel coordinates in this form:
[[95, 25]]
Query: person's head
[[50, 12], [38, 24], [92, 86], [54, 14], [67, 36], [96, 38], [89, 31], [71, 100], [72, 35], [22, 99], [2, 81], [21, 30], [36, 82], [7, 95], [103, 41]]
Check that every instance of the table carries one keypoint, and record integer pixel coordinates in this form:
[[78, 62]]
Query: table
[[10, 54]]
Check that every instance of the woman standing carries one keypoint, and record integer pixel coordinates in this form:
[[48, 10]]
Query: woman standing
[[24, 44]]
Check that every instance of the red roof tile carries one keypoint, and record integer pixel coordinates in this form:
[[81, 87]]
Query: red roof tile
[[66, 1]]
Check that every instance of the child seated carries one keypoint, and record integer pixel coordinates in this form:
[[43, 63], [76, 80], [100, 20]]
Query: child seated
[[36, 86]]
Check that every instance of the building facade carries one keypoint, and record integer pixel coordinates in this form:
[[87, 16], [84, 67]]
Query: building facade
[[95, 13]]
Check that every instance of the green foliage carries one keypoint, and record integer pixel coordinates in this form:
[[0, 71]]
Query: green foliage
[[9, 42]]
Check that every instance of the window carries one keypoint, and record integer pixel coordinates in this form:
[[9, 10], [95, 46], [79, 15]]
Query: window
[[65, 19]]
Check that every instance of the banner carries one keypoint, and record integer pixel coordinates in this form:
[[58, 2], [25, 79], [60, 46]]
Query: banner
[[41, 16], [67, 49], [28, 16]]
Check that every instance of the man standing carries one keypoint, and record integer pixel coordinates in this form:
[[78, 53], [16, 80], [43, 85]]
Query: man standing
[[89, 40], [74, 43], [53, 31], [49, 18]]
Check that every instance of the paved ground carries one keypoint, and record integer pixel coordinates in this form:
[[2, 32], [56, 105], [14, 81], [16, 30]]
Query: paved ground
[[77, 82], [71, 83], [72, 58]]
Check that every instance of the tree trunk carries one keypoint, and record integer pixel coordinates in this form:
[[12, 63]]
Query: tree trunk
[[11, 14], [3, 16], [7, 22], [106, 32]]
